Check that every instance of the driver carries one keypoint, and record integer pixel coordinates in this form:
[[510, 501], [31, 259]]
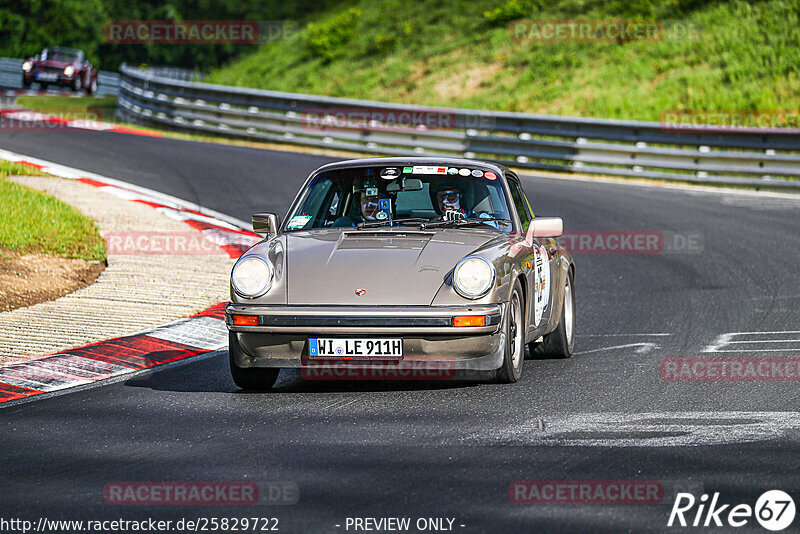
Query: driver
[[369, 205], [453, 197], [449, 198]]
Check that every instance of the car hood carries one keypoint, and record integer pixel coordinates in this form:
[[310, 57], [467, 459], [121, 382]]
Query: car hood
[[56, 64], [327, 267]]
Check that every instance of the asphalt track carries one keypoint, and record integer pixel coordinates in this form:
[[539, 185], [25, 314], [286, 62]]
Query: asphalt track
[[445, 449]]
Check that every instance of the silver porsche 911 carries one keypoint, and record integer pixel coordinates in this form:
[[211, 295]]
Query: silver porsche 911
[[402, 268]]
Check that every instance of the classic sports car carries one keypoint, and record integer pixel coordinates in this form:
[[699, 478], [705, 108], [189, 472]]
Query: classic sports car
[[62, 66], [402, 263]]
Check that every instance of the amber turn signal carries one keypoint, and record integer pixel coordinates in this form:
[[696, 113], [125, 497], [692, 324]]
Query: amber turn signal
[[469, 320], [245, 320]]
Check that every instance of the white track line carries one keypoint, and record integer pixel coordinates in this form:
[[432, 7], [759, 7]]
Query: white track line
[[643, 348], [659, 429], [727, 340], [63, 171]]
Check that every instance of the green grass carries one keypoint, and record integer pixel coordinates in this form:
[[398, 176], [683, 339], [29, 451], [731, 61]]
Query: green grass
[[82, 103], [10, 168], [32, 222], [73, 108], [718, 55]]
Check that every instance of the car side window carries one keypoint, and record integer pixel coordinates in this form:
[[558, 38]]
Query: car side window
[[315, 201], [521, 203]]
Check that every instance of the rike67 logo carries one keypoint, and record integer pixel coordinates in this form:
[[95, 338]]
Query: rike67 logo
[[774, 510]]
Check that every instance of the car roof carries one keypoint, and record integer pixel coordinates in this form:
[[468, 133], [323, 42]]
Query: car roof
[[64, 49], [412, 161]]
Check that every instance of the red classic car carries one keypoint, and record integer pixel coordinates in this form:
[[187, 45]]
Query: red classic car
[[66, 67]]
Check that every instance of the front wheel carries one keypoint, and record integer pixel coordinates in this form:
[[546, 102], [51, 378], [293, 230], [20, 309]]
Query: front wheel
[[560, 342], [258, 378], [514, 356], [77, 83], [92, 89], [43, 86]]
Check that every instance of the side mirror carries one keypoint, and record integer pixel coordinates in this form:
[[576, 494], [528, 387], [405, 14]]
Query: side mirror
[[545, 227], [266, 224]]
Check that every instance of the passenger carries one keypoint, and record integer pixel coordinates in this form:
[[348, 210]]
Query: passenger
[[370, 206]]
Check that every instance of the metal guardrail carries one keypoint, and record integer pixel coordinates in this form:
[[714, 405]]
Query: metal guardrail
[[768, 159], [11, 78]]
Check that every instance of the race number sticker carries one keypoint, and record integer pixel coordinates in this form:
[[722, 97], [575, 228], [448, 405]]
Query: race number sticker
[[541, 284], [545, 285]]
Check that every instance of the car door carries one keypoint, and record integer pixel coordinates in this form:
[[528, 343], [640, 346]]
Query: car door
[[545, 276], [530, 252]]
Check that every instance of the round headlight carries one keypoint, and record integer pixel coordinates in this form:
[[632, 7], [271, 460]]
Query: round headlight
[[473, 277], [27, 66], [252, 276], [69, 70]]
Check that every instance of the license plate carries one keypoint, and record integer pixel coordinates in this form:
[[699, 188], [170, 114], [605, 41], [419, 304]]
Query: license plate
[[355, 348], [47, 76]]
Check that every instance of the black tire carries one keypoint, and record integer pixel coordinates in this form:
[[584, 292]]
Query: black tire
[[514, 350], [77, 84], [43, 86], [251, 378], [92, 89], [560, 343], [26, 83]]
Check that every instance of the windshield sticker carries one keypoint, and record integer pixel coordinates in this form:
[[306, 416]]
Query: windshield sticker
[[424, 169], [489, 175], [408, 170], [477, 173], [298, 221], [452, 170], [390, 173], [464, 172]]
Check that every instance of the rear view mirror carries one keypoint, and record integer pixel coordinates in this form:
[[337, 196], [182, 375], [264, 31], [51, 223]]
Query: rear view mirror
[[404, 184], [545, 227], [265, 224]]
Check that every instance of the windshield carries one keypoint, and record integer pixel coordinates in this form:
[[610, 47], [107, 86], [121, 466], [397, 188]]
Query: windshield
[[401, 196], [59, 54]]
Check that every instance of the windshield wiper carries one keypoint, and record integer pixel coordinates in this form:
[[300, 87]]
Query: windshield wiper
[[463, 222], [391, 222]]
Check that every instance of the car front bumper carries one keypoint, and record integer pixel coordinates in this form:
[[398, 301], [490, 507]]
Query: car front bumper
[[430, 342], [59, 79]]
